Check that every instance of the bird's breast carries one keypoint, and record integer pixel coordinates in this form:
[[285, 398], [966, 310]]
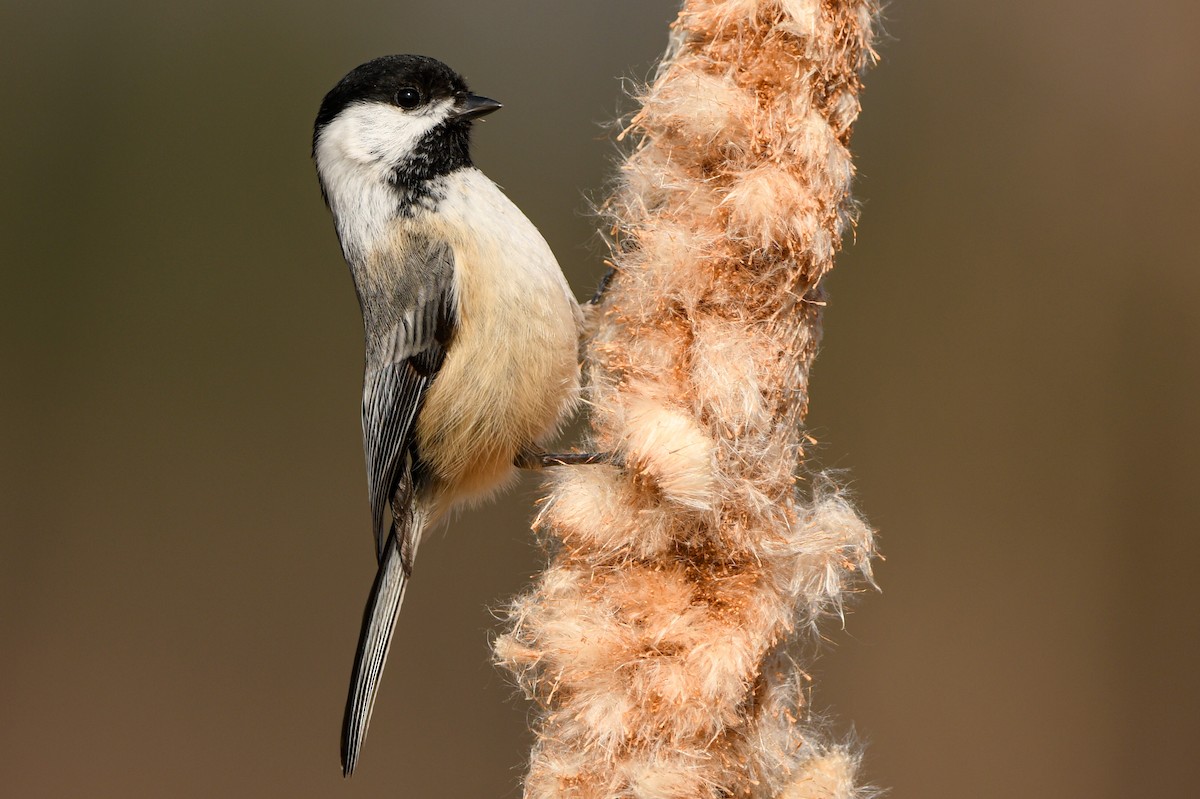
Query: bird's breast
[[511, 371]]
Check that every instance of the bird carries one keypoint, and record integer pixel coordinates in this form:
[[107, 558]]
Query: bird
[[471, 330]]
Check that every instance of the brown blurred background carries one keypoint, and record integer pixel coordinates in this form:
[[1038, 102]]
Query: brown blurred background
[[1009, 375]]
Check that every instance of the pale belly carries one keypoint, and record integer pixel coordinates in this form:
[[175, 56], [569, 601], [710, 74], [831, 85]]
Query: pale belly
[[511, 373], [506, 385]]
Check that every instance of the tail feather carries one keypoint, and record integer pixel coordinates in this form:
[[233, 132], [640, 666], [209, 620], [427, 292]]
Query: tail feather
[[379, 621]]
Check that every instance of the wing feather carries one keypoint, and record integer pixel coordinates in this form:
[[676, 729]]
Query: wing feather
[[409, 323]]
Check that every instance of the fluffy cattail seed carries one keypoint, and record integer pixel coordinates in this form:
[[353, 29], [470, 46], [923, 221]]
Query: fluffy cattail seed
[[660, 640]]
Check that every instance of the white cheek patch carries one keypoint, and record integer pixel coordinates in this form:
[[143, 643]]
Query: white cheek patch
[[370, 133], [355, 155]]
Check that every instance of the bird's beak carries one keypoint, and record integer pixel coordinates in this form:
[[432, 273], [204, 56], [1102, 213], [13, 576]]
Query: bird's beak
[[472, 106]]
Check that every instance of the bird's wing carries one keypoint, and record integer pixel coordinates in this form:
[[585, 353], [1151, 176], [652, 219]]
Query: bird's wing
[[409, 325]]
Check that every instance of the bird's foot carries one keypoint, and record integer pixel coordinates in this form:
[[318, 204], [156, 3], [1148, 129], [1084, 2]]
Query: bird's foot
[[544, 460]]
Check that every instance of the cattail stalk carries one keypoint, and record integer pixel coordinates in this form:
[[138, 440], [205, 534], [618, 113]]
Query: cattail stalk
[[661, 640]]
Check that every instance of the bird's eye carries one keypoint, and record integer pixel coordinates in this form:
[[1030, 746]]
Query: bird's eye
[[408, 98]]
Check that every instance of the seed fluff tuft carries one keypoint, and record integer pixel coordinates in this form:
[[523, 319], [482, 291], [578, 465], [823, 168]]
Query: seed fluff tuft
[[664, 641]]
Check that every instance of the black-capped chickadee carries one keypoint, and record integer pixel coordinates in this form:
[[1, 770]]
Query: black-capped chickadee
[[471, 329]]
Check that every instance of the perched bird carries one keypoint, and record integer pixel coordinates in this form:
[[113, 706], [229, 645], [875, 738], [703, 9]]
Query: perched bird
[[471, 330]]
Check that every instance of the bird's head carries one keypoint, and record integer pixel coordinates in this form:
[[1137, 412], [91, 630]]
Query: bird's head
[[397, 118]]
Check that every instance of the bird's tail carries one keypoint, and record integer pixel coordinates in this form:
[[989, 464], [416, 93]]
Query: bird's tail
[[379, 620]]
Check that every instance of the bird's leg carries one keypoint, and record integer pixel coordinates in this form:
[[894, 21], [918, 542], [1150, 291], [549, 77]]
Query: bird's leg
[[604, 284], [529, 459]]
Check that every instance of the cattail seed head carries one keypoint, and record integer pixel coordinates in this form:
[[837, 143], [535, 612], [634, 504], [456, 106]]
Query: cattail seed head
[[660, 643]]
